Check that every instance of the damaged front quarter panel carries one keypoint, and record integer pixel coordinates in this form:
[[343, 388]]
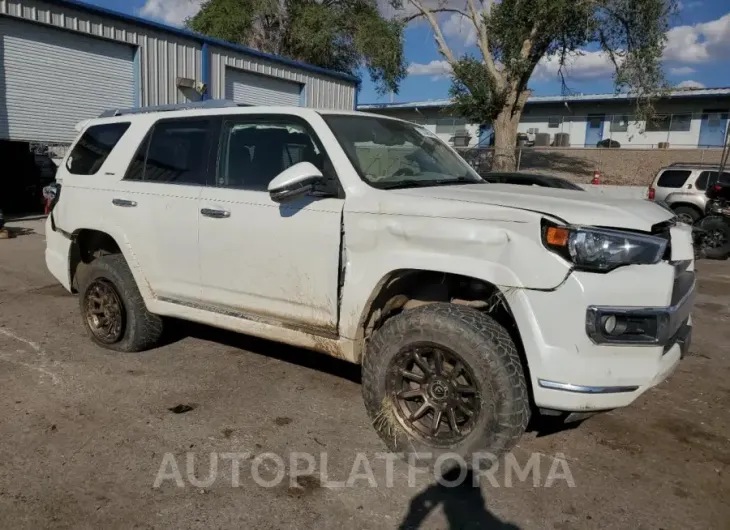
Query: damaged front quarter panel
[[495, 244]]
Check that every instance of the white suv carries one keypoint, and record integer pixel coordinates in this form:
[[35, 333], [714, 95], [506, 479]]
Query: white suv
[[469, 305]]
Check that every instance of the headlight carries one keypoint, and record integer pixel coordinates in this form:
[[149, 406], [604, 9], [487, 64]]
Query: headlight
[[601, 250]]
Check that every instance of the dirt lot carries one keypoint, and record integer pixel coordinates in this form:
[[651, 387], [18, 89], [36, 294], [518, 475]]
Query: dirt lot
[[83, 434]]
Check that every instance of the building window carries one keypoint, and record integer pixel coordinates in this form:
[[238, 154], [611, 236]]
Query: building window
[[554, 122], [681, 122], [620, 123], [658, 124], [450, 125], [670, 122]]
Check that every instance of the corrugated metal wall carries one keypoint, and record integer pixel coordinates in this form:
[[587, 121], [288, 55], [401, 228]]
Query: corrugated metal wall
[[254, 89], [320, 92], [163, 56], [53, 79]]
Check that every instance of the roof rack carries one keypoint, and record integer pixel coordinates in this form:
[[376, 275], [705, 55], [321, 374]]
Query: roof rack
[[207, 104], [694, 164]]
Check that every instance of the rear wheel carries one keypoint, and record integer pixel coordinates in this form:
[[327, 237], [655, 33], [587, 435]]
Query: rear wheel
[[445, 379], [687, 214], [112, 307]]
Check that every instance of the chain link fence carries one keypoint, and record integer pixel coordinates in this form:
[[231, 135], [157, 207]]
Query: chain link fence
[[623, 167]]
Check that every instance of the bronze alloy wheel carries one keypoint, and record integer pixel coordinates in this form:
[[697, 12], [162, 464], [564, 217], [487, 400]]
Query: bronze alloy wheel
[[104, 311], [434, 393]]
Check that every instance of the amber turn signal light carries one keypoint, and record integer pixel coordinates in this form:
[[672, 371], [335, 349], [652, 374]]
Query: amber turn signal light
[[557, 236]]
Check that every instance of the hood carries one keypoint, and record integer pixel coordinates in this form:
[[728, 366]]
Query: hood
[[572, 206]]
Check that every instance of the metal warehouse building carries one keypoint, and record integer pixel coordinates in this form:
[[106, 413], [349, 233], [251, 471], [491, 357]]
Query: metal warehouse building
[[62, 61]]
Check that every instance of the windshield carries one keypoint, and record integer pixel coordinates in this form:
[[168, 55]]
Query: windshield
[[391, 154]]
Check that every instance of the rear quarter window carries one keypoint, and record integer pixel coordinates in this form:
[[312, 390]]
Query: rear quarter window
[[673, 178], [93, 148]]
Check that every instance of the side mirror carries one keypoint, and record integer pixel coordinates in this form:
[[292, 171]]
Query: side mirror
[[297, 181]]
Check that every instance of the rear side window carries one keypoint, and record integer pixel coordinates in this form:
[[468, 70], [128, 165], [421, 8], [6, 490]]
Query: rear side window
[[174, 151], [715, 178], [673, 178], [93, 148]]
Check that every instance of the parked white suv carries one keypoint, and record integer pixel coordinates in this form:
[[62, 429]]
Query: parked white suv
[[469, 305]]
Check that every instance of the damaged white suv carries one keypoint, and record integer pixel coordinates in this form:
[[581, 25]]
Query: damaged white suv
[[469, 305]]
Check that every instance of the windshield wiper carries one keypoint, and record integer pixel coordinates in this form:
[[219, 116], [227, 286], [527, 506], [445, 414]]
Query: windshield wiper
[[414, 183]]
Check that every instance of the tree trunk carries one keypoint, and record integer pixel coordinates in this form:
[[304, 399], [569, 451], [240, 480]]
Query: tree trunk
[[505, 133], [505, 141]]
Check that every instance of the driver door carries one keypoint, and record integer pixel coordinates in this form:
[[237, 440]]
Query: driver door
[[259, 257]]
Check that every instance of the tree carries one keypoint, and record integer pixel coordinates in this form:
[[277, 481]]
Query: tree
[[514, 35], [340, 35]]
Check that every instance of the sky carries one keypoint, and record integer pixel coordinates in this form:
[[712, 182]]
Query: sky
[[697, 52]]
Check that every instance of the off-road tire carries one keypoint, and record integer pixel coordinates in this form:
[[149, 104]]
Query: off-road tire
[[493, 358], [142, 329], [716, 223], [689, 212]]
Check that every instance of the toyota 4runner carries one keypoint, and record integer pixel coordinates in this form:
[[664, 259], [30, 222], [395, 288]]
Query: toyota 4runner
[[469, 305]]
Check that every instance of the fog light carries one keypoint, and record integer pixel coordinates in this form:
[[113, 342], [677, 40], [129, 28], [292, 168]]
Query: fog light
[[613, 325]]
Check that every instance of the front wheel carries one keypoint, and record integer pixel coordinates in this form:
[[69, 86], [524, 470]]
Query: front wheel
[[716, 237], [445, 379]]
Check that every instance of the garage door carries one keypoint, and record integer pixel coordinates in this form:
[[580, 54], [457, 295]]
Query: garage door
[[254, 89], [51, 79]]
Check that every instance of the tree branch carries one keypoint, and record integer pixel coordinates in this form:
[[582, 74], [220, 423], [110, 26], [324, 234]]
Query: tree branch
[[477, 17], [529, 42], [413, 17], [438, 35]]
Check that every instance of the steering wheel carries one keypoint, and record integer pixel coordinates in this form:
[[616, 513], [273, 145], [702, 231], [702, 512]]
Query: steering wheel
[[404, 172]]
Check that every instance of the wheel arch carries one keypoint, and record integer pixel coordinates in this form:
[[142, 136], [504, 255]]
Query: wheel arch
[[685, 204], [88, 244], [403, 289]]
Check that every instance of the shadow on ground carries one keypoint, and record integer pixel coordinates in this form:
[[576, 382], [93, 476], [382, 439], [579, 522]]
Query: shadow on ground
[[178, 330], [16, 231], [462, 504]]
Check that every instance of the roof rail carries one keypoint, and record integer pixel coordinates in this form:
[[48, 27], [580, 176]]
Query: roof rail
[[694, 164], [207, 104]]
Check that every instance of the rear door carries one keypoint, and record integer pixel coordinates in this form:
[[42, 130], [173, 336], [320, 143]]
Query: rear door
[[671, 181], [157, 203]]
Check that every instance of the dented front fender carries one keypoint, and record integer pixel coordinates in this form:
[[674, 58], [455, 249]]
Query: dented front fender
[[498, 245]]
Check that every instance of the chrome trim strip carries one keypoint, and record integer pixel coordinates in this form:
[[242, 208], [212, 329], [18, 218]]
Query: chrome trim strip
[[580, 389], [253, 317]]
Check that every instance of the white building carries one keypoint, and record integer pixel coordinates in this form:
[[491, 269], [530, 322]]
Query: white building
[[685, 119]]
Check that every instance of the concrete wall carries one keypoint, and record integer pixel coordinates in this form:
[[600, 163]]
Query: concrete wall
[[623, 167]]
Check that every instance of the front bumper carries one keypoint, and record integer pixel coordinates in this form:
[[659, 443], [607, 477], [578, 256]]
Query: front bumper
[[569, 370]]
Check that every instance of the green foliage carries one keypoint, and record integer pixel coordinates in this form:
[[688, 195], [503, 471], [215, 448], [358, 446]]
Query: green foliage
[[521, 32], [340, 35]]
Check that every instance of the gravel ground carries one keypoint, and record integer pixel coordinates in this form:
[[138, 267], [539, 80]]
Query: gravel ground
[[84, 434]]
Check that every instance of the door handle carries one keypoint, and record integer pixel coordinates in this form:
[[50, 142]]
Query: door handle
[[215, 214], [124, 203]]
